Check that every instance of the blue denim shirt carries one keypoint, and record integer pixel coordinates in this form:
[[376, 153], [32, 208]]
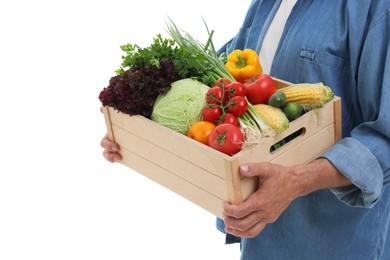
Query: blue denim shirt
[[346, 45]]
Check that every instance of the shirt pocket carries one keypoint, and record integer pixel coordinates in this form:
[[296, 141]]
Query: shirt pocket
[[315, 61], [332, 70]]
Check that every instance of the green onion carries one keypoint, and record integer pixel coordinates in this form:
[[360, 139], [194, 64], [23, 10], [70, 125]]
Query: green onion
[[207, 51]]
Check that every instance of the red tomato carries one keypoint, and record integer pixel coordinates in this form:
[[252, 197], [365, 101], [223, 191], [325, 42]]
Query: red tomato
[[226, 138], [216, 95], [228, 118], [253, 78], [222, 82], [237, 105], [258, 91], [212, 113], [235, 89]]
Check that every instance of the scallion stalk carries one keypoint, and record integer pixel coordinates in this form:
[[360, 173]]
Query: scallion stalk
[[185, 40]]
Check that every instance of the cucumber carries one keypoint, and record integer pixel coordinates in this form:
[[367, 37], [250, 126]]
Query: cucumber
[[292, 111], [278, 99]]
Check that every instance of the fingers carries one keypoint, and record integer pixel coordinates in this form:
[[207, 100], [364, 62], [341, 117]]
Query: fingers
[[105, 142], [244, 221], [250, 233], [111, 157], [257, 169], [111, 150], [249, 226], [239, 211]]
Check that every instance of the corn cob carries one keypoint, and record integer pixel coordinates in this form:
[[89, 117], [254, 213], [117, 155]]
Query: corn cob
[[308, 95], [272, 116]]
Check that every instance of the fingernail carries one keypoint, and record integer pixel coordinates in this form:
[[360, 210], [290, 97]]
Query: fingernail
[[114, 149], [244, 168]]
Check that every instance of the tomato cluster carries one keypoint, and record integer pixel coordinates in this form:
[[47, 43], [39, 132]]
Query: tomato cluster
[[225, 101]]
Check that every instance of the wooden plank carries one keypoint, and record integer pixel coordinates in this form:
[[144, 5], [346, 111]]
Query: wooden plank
[[312, 122], [249, 185], [170, 162], [314, 145], [281, 83], [172, 182], [337, 119], [233, 182], [202, 155], [306, 151], [107, 118]]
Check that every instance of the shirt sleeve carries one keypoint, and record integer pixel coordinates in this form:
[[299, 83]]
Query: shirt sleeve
[[364, 156]]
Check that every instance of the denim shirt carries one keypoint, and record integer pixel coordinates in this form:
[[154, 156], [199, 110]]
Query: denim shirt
[[346, 45]]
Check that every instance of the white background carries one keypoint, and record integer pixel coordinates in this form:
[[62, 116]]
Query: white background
[[59, 199]]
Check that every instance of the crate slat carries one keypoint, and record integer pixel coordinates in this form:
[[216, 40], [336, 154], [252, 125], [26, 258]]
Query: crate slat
[[191, 192], [170, 162]]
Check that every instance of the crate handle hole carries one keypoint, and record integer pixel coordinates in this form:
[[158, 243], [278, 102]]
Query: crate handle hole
[[287, 139]]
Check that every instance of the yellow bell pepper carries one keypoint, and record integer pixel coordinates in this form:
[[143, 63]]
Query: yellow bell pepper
[[243, 64]]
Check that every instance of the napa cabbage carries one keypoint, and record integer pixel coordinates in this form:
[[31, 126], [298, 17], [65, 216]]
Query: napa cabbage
[[181, 106]]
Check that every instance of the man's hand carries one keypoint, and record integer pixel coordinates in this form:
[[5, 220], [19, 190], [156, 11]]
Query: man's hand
[[111, 150], [278, 187]]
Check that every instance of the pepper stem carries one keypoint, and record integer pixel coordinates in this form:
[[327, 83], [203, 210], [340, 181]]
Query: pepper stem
[[241, 62]]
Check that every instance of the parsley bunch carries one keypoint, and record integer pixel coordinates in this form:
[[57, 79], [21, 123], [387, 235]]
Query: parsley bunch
[[136, 56]]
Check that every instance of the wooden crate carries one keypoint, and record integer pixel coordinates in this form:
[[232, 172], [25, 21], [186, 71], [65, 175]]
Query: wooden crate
[[205, 176]]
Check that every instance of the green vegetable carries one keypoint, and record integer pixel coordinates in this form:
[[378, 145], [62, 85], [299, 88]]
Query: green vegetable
[[204, 55], [278, 99], [292, 111], [160, 49], [182, 106]]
